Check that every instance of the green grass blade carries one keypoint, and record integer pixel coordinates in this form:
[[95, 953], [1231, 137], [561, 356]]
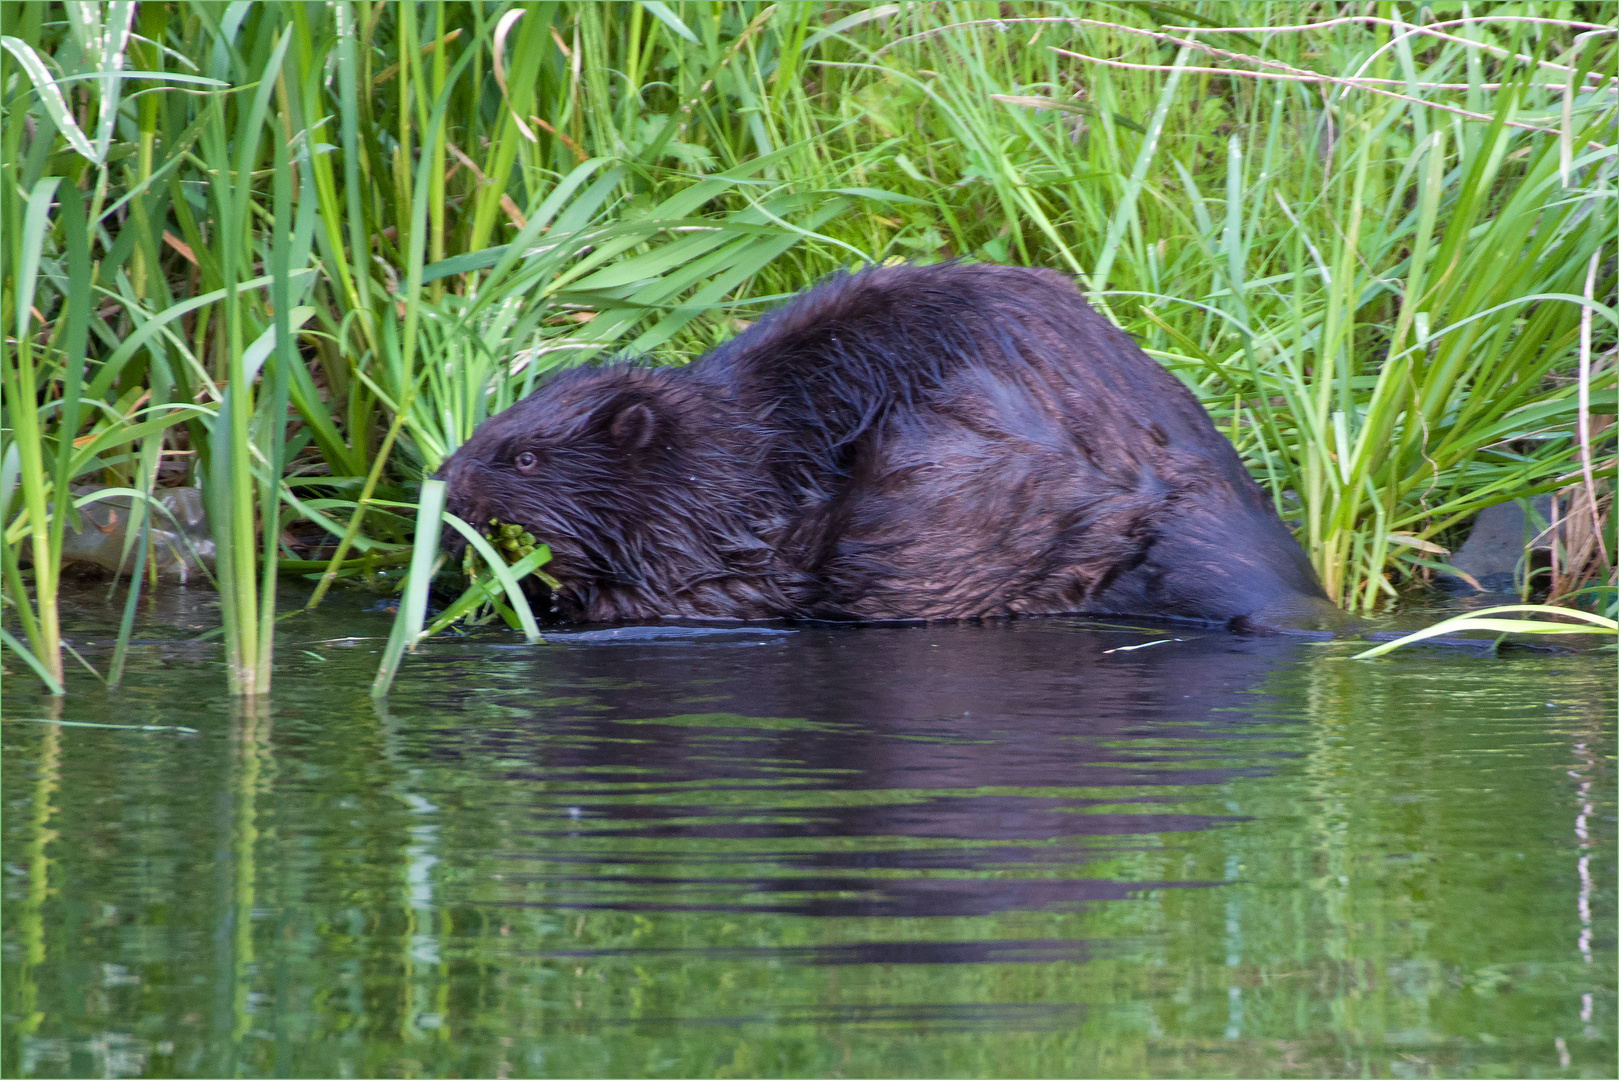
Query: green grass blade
[[1477, 620], [503, 573], [50, 95], [407, 627], [50, 678]]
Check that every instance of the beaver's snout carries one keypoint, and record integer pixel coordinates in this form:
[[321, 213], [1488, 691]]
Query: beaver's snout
[[469, 498]]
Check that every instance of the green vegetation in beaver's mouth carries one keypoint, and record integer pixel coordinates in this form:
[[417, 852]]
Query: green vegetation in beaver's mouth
[[495, 562], [512, 541]]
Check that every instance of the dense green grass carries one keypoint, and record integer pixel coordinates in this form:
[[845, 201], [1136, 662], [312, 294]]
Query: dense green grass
[[304, 249]]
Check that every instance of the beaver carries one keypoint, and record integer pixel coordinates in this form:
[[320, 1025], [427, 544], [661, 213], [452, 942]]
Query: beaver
[[950, 441]]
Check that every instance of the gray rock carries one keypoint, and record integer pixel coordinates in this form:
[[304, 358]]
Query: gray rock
[[181, 540]]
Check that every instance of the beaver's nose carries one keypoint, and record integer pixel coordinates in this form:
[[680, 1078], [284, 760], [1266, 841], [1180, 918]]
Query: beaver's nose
[[460, 499], [461, 485]]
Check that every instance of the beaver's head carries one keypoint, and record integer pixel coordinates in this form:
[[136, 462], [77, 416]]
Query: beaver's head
[[615, 468]]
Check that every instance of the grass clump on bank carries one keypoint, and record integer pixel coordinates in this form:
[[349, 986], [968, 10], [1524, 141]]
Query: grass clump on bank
[[296, 253]]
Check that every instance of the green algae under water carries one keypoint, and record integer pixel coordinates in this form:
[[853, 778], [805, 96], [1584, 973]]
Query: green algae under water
[[1009, 849]]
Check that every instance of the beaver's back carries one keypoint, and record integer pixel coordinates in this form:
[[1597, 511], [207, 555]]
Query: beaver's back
[[858, 348], [966, 440]]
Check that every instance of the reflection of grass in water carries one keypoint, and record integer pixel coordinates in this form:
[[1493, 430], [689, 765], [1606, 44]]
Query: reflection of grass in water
[[1378, 298], [732, 720]]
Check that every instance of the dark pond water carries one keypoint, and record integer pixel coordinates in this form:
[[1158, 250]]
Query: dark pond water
[[1031, 848]]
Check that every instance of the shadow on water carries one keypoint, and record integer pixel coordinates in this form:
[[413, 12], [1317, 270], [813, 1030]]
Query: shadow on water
[[1045, 847], [913, 749]]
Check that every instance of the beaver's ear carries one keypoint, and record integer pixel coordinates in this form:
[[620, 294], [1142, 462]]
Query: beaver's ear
[[634, 426]]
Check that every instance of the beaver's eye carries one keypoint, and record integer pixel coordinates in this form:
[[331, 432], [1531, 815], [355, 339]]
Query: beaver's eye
[[525, 461]]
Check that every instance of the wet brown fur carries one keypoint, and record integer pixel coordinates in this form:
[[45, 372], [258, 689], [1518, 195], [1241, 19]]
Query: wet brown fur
[[939, 442]]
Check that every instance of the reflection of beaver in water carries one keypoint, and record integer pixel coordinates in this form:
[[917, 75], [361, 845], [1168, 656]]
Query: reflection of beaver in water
[[935, 442]]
